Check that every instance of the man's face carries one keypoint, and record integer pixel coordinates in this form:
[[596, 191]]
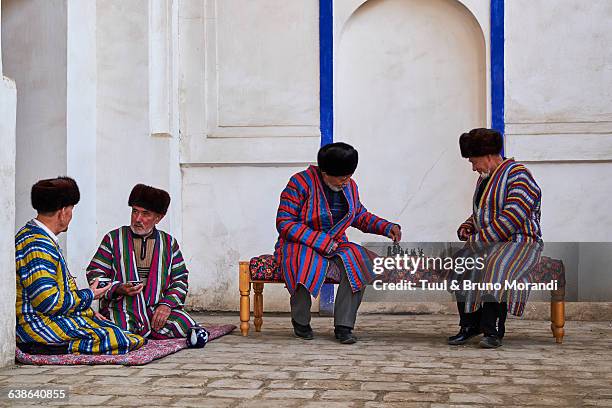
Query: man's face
[[143, 221], [64, 216], [481, 165], [336, 183]]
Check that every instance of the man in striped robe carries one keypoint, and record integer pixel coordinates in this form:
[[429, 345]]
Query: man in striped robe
[[316, 208], [504, 226], [147, 271], [53, 315]]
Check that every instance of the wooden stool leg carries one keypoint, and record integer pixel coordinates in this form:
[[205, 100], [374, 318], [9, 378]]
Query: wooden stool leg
[[258, 305], [557, 320], [557, 313], [244, 283]]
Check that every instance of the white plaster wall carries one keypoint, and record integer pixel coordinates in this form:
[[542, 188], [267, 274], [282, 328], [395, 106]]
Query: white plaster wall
[[410, 79], [559, 110], [8, 106], [126, 152], [249, 103], [36, 59], [229, 215]]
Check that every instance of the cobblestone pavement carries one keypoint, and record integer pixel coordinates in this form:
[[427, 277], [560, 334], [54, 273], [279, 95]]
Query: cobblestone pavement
[[399, 361]]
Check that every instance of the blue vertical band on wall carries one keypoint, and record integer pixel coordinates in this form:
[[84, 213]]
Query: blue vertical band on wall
[[326, 106], [497, 66]]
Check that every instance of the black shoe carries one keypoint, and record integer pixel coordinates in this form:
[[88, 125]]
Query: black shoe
[[490, 342], [304, 332], [343, 335], [465, 333]]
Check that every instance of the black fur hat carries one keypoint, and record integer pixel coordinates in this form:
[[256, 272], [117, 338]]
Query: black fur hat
[[480, 142], [337, 159], [151, 198], [50, 195]]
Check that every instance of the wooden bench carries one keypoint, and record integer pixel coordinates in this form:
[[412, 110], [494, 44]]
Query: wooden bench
[[251, 277]]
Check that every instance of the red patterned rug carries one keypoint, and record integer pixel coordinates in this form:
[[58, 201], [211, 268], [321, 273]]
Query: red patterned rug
[[153, 350]]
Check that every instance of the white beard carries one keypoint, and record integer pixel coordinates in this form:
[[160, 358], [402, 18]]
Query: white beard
[[485, 175], [334, 188]]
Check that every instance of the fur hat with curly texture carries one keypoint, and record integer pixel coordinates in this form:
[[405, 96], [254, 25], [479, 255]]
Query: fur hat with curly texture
[[480, 142], [50, 195], [151, 198]]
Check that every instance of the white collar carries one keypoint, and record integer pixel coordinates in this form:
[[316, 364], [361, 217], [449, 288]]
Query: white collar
[[47, 230]]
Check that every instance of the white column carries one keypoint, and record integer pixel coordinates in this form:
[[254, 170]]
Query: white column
[[8, 112]]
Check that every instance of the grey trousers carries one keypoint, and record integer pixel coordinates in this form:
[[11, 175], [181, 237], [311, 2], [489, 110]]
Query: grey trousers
[[345, 307]]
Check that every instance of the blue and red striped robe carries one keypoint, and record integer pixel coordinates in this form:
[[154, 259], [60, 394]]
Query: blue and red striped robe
[[306, 234], [506, 220], [167, 284], [51, 309]]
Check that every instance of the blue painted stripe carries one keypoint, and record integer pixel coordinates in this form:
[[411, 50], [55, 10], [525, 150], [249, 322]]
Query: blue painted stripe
[[326, 73], [326, 106], [497, 66]]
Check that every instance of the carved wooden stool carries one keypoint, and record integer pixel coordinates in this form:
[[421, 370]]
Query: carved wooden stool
[[263, 270]]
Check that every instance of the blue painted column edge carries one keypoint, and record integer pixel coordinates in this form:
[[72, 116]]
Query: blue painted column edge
[[326, 107], [497, 66]]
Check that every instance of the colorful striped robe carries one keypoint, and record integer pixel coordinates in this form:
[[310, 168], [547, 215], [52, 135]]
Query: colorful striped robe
[[306, 234], [506, 222], [167, 284], [51, 309]]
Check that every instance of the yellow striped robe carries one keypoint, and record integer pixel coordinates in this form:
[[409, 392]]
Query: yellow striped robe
[[51, 309]]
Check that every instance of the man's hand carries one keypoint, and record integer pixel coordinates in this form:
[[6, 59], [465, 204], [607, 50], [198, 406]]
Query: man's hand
[[464, 233], [99, 316], [129, 289], [98, 292], [160, 317], [396, 233]]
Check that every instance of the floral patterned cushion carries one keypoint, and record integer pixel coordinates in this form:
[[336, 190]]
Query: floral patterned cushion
[[549, 269], [264, 268]]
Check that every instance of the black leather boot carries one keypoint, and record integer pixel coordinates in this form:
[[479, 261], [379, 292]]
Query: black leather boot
[[465, 333], [344, 335], [304, 332]]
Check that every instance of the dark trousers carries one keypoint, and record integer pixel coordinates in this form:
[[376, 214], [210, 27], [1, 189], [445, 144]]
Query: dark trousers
[[345, 308], [490, 318]]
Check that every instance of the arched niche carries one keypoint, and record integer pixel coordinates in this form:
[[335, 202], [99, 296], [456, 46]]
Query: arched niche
[[410, 78]]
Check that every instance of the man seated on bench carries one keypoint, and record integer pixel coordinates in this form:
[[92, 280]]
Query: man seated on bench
[[148, 273], [53, 315], [316, 208]]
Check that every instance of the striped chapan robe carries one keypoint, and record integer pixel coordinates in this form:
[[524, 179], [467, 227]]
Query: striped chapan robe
[[51, 310], [506, 222], [306, 234], [167, 284]]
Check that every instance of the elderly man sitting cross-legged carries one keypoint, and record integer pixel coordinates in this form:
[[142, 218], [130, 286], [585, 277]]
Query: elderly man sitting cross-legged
[[53, 315], [148, 273]]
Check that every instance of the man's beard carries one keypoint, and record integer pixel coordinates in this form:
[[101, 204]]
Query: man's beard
[[142, 232], [485, 175], [333, 188]]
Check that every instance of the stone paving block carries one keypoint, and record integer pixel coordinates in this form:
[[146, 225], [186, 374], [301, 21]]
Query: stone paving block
[[314, 375], [387, 386], [204, 402], [141, 401], [413, 396], [478, 398], [288, 394], [234, 393], [348, 395], [235, 383], [83, 400]]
